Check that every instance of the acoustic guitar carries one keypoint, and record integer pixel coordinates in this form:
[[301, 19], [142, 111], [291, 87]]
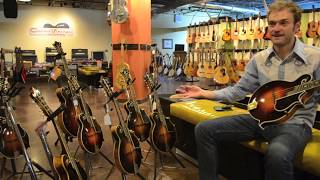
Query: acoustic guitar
[[163, 132], [277, 101], [201, 69], [258, 34], [194, 65], [209, 71], [312, 26], [126, 146], [235, 32], [250, 33], [221, 75], [227, 31], [243, 33], [65, 165]]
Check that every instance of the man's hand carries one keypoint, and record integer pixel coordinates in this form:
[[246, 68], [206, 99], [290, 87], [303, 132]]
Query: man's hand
[[186, 91]]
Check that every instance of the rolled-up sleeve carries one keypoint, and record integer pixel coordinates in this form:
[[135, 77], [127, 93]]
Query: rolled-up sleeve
[[246, 85]]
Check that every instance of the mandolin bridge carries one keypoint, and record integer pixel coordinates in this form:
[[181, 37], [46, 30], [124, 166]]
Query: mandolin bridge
[[253, 105]]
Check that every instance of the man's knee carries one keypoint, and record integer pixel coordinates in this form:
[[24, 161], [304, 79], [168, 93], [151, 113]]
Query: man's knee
[[278, 154]]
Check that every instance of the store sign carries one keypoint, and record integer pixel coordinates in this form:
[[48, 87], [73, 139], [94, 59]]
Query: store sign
[[61, 29]]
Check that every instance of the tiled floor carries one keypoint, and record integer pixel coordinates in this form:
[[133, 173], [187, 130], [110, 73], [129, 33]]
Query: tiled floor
[[29, 115]]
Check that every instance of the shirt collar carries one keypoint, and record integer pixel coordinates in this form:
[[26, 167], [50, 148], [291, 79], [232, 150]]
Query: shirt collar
[[298, 50]]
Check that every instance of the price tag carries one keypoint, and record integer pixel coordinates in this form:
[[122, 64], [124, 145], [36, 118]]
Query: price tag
[[107, 119], [75, 102]]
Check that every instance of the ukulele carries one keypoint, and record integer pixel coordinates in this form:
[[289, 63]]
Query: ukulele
[[126, 146], [89, 132], [243, 33], [277, 101], [312, 26], [235, 32], [250, 34], [119, 12], [174, 67], [163, 131], [65, 165], [226, 32], [139, 121], [258, 34]]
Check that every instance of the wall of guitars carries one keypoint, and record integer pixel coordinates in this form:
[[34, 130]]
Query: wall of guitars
[[220, 49]]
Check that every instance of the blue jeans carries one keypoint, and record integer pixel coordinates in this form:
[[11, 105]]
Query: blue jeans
[[285, 141]]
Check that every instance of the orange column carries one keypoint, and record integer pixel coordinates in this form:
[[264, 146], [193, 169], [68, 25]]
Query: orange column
[[136, 30]]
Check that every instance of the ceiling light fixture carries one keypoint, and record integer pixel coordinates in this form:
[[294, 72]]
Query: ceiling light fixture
[[230, 8], [24, 0]]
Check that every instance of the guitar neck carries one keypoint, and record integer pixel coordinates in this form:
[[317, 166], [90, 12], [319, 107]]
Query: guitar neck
[[133, 98], [305, 87], [159, 108]]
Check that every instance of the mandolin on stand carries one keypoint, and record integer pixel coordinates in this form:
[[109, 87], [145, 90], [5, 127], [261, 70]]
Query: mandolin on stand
[[126, 149], [65, 165], [89, 132], [139, 121], [163, 131]]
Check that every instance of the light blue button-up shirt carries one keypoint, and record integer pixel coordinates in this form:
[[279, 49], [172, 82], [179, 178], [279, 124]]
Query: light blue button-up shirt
[[266, 66]]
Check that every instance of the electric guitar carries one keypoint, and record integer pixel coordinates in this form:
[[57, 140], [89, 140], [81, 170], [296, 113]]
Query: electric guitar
[[277, 101], [65, 165], [163, 131], [126, 149]]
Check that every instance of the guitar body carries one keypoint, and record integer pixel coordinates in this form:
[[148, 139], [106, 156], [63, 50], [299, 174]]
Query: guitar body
[[120, 80], [243, 35], [271, 105], [10, 146], [209, 72], [201, 71], [226, 35], [312, 30], [90, 137], [127, 153], [139, 122], [258, 34], [234, 35], [221, 76], [65, 170], [250, 34], [267, 34], [163, 136], [68, 120]]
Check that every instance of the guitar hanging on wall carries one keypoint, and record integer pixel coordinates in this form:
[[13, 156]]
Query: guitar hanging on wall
[[119, 12]]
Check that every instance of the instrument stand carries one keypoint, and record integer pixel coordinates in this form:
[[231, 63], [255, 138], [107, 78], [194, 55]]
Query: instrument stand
[[124, 177], [25, 153], [88, 165], [15, 173], [160, 157], [192, 79]]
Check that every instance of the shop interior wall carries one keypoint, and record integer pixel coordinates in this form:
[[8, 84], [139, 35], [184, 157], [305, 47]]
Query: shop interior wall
[[90, 30]]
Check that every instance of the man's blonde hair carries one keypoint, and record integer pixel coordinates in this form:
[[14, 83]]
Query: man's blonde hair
[[292, 7]]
